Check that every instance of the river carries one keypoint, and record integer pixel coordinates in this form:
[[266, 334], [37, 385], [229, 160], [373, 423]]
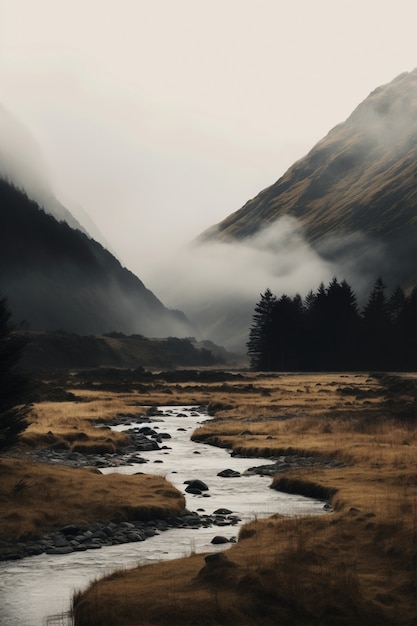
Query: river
[[37, 591]]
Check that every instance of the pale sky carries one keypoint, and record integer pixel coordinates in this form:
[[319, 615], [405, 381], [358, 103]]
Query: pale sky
[[161, 117]]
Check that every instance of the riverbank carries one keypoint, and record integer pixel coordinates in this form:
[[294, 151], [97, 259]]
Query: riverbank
[[349, 438], [44, 507], [356, 566]]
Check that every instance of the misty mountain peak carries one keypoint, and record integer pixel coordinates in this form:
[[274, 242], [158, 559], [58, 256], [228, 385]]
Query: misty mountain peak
[[359, 180]]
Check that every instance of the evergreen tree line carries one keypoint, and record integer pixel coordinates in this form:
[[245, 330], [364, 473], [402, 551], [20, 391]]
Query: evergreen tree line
[[326, 331]]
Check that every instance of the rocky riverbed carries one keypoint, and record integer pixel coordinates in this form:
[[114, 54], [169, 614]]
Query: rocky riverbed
[[142, 438], [74, 538], [39, 588]]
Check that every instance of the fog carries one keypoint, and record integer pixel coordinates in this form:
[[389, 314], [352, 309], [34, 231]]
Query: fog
[[219, 284], [160, 119], [153, 121]]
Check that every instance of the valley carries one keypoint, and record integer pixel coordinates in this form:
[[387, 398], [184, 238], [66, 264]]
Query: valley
[[356, 563], [142, 412]]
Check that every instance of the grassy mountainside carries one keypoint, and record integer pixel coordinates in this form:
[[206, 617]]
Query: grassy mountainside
[[361, 178], [55, 277]]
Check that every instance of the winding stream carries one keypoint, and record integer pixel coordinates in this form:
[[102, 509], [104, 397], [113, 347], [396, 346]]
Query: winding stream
[[37, 591]]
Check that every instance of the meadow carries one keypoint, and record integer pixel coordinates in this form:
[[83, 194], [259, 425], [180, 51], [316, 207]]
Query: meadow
[[356, 565]]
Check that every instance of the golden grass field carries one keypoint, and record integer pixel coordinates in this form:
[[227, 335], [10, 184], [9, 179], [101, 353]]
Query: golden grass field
[[356, 565], [36, 498]]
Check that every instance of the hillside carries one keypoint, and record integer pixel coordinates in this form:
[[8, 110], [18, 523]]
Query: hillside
[[69, 351], [22, 163], [57, 278], [356, 189]]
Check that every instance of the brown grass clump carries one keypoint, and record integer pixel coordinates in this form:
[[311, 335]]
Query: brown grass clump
[[36, 498], [74, 424], [356, 566], [282, 571]]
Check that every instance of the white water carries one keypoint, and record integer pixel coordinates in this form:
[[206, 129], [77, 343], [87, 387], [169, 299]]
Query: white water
[[34, 589]]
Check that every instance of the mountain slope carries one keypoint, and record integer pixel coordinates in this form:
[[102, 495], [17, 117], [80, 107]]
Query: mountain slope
[[360, 179], [23, 164], [55, 277]]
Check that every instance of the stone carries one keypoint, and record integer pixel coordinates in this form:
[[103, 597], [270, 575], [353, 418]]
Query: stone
[[61, 542], [218, 539], [100, 534], [229, 473], [70, 529], [215, 558], [196, 484], [60, 550], [193, 490]]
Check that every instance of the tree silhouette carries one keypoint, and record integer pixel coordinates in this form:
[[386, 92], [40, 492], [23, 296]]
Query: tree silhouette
[[376, 327], [14, 386], [325, 331], [406, 333], [331, 327], [287, 333], [259, 344]]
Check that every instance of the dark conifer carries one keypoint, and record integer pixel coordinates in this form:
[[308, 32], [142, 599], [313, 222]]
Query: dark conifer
[[14, 386], [327, 332], [259, 344], [286, 333], [376, 327]]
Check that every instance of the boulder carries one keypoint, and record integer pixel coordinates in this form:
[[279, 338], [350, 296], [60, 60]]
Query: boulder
[[218, 539], [196, 484], [229, 473], [193, 490]]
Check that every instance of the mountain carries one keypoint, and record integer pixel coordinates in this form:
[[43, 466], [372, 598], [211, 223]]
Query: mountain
[[348, 209], [355, 190], [22, 163], [56, 278]]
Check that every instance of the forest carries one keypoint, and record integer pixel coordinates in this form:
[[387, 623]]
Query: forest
[[326, 330]]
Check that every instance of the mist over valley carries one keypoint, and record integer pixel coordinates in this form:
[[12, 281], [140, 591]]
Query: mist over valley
[[346, 209]]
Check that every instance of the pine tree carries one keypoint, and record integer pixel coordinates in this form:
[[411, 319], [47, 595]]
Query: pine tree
[[407, 323], [14, 386], [396, 304], [376, 329], [331, 327], [287, 333], [259, 344], [376, 309]]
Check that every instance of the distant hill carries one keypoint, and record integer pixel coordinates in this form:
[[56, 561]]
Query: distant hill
[[57, 278], [356, 189], [69, 351]]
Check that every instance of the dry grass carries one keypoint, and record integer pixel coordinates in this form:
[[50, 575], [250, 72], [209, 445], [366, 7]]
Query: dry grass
[[282, 571], [36, 498], [74, 423], [355, 566]]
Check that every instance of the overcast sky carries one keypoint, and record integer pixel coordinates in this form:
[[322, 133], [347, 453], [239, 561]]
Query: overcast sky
[[162, 117]]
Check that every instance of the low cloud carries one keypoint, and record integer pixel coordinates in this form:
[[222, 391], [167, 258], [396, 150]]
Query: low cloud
[[218, 284]]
